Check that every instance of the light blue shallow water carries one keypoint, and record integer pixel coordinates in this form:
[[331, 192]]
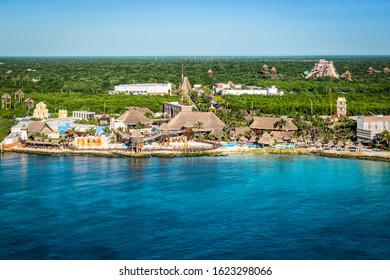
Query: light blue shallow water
[[235, 207]]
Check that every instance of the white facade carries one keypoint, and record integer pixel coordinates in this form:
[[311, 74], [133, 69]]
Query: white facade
[[142, 89], [83, 115], [251, 90], [369, 126]]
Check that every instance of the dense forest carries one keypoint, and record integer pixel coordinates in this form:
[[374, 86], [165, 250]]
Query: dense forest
[[82, 83]]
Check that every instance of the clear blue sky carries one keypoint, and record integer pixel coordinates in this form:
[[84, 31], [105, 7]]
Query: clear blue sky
[[212, 27]]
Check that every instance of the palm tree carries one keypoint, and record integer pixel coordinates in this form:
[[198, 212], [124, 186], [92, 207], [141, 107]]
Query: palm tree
[[281, 123], [71, 133], [107, 130], [385, 137], [91, 131]]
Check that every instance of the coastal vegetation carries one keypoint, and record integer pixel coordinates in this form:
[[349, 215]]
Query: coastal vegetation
[[82, 83], [5, 127]]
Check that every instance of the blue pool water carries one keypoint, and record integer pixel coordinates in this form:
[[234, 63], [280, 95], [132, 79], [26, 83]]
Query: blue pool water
[[234, 207]]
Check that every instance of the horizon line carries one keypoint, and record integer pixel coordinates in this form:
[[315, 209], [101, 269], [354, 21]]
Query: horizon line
[[198, 56]]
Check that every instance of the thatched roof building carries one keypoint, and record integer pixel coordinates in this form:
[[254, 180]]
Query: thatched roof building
[[260, 124], [132, 116], [266, 139], [200, 121], [29, 102], [143, 111], [241, 131], [39, 127]]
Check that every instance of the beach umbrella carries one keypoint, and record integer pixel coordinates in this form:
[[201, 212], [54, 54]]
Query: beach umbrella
[[294, 140], [266, 139]]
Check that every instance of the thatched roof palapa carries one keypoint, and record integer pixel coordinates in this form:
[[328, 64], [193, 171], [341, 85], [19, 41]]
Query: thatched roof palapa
[[208, 120], [268, 123], [266, 139], [39, 127], [132, 117], [142, 110], [241, 130]]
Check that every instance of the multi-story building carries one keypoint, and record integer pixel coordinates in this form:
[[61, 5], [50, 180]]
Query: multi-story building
[[369, 126], [142, 89], [40, 111], [341, 107]]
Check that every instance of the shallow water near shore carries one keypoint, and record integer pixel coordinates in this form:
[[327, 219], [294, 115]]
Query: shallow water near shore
[[234, 207]]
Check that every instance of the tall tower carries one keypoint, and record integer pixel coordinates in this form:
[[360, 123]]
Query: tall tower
[[6, 101], [273, 73], [210, 73], [341, 107], [265, 70], [348, 76], [182, 74]]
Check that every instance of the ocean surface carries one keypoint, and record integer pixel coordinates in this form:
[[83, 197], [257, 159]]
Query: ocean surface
[[234, 207]]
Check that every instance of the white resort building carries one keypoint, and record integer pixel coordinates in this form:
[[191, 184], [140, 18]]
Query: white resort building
[[83, 115], [142, 89], [369, 126], [253, 90]]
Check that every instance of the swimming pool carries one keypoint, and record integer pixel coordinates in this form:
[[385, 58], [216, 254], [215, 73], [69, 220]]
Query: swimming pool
[[284, 146]]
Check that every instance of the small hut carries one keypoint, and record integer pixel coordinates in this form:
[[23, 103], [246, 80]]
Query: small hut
[[386, 71], [266, 139], [29, 102], [136, 139], [347, 76], [6, 101], [19, 96]]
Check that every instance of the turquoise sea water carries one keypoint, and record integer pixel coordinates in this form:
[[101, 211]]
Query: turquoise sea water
[[235, 207]]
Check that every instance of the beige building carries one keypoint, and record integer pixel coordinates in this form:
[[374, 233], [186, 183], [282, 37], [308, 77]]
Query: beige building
[[40, 111], [369, 126], [341, 107], [62, 114]]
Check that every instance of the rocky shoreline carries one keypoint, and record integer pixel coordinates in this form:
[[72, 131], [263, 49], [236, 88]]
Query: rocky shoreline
[[375, 156]]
